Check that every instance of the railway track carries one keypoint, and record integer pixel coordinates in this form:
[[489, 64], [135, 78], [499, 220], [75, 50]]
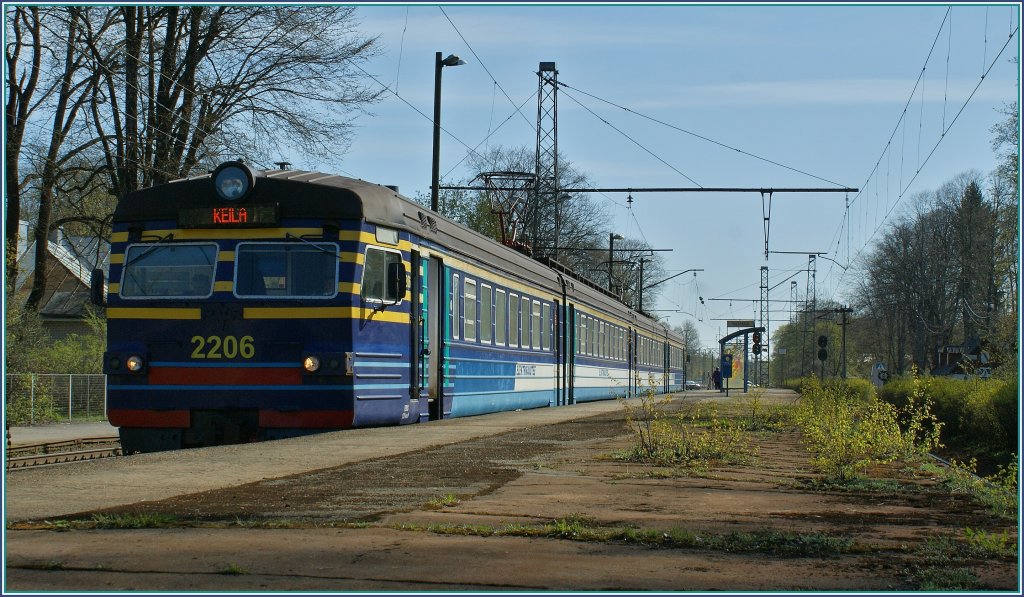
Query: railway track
[[77, 450]]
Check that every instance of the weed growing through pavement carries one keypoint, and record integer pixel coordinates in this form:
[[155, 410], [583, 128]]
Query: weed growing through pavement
[[576, 527], [141, 520], [694, 438], [446, 501]]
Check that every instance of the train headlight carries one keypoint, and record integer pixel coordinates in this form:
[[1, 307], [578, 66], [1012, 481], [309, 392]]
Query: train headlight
[[233, 180], [311, 363], [134, 363]]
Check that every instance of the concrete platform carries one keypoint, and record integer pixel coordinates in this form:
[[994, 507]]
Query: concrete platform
[[58, 432]]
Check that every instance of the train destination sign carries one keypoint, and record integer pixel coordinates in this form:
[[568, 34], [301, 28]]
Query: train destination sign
[[228, 216]]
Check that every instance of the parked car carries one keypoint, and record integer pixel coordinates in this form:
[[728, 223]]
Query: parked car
[[691, 385]]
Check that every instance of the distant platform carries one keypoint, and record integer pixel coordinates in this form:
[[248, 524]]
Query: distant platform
[[57, 432]]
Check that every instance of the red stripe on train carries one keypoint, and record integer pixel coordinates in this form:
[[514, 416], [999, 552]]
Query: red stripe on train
[[307, 419], [125, 417], [315, 419], [227, 376]]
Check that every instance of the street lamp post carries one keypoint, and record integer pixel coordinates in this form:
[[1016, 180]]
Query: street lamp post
[[439, 63], [612, 237]]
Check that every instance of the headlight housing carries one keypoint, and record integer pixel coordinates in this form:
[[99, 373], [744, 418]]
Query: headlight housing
[[311, 363], [233, 181], [134, 363]]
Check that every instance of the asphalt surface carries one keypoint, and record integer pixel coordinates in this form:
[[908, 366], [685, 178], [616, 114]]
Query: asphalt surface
[[50, 492], [271, 517]]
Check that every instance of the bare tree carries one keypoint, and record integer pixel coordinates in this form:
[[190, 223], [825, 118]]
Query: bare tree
[[184, 87], [72, 93], [23, 55]]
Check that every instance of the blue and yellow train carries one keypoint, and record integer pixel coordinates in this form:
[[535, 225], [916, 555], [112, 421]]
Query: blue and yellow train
[[246, 305]]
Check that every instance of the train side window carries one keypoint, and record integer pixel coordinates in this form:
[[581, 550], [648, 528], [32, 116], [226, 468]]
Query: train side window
[[500, 316], [583, 334], [576, 335], [455, 294], [536, 325], [545, 320], [469, 309], [524, 322], [374, 286], [513, 323], [486, 319]]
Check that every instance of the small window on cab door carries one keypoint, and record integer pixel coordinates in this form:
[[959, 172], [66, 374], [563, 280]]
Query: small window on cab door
[[374, 287]]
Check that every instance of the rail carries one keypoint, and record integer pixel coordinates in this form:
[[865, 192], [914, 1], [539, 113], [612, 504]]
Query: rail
[[62, 452]]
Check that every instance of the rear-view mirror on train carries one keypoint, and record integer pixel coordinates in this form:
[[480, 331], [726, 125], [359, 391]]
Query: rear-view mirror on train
[[96, 283]]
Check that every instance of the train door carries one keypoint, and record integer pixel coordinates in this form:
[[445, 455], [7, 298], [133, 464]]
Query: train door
[[569, 355], [433, 343], [632, 356]]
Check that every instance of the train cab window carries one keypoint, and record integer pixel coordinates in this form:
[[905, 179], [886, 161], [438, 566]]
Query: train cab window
[[286, 270], [500, 316], [169, 271], [485, 314], [469, 308], [374, 286]]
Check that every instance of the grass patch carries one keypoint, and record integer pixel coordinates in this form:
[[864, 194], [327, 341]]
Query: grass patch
[[235, 570], [946, 579], [857, 484], [947, 560], [696, 438], [446, 501], [576, 527], [47, 565], [142, 520]]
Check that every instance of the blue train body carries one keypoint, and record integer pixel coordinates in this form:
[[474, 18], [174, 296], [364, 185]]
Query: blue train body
[[247, 305]]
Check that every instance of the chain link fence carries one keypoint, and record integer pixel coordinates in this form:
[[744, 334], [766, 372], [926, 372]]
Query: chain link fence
[[39, 398]]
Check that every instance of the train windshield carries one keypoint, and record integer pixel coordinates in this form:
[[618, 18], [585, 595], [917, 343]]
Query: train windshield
[[286, 270], [169, 271]]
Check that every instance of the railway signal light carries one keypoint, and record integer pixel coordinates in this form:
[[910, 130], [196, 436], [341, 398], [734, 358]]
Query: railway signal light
[[757, 342]]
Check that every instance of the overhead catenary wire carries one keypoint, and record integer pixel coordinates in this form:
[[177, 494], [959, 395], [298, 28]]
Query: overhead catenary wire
[[938, 142], [699, 136], [631, 139]]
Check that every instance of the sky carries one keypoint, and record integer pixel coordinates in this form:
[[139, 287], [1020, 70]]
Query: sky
[[894, 100]]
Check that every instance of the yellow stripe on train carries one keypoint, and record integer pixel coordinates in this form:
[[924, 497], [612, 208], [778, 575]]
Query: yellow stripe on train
[[260, 233], [324, 313], [153, 313]]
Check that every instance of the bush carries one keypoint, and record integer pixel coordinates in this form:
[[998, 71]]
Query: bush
[[979, 417], [24, 405], [849, 429]]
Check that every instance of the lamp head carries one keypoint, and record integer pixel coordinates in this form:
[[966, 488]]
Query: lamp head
[[452, 60]]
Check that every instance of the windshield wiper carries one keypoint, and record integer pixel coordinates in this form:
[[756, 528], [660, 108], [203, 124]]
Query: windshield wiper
[[314, 245], [157, 243]]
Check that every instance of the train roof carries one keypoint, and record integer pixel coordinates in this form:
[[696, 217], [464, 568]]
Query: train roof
[[297, 193], [306, 194]]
